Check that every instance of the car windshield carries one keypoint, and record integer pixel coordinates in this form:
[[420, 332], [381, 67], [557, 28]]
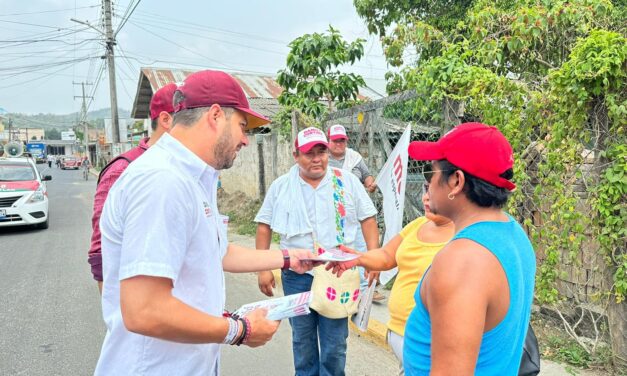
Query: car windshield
[[16, 172]]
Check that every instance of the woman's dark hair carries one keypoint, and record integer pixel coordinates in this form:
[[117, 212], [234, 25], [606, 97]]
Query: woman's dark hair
[[478, 191]]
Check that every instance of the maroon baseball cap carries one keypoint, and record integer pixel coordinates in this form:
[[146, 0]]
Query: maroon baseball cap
[[209, 87], [162, 101], [479, 149]]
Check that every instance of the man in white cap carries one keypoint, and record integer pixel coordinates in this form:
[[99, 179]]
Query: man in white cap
[[300, 206], [341, 156]]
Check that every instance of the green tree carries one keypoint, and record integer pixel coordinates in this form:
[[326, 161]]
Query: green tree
[[380, 14], [551, 74], [52, 134], [312, 80]]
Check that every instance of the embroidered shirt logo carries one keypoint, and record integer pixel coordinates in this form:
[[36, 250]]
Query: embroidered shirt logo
[[207, 209]]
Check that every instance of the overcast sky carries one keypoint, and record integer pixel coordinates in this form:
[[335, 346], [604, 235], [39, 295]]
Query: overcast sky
[[42, 52]]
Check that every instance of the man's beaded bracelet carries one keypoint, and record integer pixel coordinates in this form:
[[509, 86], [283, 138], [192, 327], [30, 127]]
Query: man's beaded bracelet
[[232, 332]]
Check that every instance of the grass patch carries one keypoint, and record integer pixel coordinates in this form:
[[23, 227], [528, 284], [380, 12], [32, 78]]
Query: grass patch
[[241, 211], [557, 345]]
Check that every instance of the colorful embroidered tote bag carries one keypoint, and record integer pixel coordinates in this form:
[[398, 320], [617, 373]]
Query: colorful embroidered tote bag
[[334, 297]]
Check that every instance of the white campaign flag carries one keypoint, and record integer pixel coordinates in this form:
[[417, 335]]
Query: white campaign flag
[[391, 181]]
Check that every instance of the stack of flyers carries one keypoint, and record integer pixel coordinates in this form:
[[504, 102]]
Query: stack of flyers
[[280, 308], [334, 254]]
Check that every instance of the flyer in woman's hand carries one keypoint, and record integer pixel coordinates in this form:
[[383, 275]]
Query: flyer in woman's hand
[[333, 254], [280, 308]]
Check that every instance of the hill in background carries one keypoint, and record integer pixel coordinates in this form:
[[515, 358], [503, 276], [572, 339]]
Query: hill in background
[[62, 122]]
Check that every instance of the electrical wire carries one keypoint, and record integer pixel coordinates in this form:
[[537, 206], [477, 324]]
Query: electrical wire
[[181, 46], [46, 75], [49, 11], [231, 43], [126, 17]]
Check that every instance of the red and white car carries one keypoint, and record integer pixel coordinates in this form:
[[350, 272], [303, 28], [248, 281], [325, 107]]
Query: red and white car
[[70, 163], [23, 194]]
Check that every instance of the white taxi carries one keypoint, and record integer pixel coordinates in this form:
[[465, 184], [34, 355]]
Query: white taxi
[[23, 194]]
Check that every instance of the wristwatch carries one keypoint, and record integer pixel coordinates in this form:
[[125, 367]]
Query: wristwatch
[[286, 259]]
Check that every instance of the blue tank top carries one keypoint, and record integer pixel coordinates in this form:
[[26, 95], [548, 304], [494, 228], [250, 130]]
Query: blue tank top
[[501, 347]]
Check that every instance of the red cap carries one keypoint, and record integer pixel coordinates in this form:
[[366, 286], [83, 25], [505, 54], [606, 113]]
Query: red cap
[[308, 138], [208, 87], [479, 149], [337, 132], [162, 101]]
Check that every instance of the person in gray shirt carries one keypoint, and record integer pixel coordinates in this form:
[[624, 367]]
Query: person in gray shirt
[[341, 156]]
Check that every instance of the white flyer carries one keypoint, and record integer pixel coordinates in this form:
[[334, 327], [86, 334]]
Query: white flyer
[[333, 254], [361, 318], [280, 308]]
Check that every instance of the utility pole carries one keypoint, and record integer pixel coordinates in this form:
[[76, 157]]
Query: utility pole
[[10, 125], [111, 63], [110, 42], [84, 118]]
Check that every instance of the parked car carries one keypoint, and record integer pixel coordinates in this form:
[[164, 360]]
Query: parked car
[[70, 163], [23, 194]]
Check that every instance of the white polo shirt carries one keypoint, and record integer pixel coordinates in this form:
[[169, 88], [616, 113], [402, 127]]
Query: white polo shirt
[[161, 219], [359, 207]]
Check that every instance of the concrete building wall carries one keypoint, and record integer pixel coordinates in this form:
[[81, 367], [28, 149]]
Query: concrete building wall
[[244, 175]]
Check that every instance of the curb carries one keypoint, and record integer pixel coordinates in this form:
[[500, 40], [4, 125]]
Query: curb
[[376, 333]]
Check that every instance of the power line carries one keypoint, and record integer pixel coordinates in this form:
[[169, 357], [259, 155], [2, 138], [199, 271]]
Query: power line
[[48, 11], [126, 16], [161, 27], [186, 24], [46, 75], [37, 25], [34, 39], [189, 25], [96, 84], [181, 46], [33, 67], [284, 54]]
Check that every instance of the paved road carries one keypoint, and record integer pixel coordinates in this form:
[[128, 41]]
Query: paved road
[[49, 308], [50, 321]]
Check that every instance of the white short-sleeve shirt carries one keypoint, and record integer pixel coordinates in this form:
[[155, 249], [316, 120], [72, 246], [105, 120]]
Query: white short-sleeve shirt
[[359, 207], [161, 219]]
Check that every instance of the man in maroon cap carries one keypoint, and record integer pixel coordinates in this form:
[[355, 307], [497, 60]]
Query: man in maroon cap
[[473, 305], [165, 246], [161, 110]]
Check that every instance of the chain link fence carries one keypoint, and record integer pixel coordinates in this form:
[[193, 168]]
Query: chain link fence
[[375, 127]]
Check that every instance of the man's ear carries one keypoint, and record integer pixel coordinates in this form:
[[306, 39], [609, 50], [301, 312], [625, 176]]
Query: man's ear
[[212, 116], [165, 119]]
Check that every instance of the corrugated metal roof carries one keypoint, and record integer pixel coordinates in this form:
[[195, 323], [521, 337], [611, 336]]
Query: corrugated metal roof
[[255, 86], [262, 91]]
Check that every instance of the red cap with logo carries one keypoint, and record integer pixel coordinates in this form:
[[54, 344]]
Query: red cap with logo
[[479, 149], [337, 132], [308, 138], [162, 101], [208, 87]]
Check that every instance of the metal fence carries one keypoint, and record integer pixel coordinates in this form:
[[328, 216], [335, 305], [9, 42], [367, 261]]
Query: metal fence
[[375, 127], [373, 131]]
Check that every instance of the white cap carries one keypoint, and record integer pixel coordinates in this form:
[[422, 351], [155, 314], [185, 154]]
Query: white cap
[[310, 137], [337, 132]]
